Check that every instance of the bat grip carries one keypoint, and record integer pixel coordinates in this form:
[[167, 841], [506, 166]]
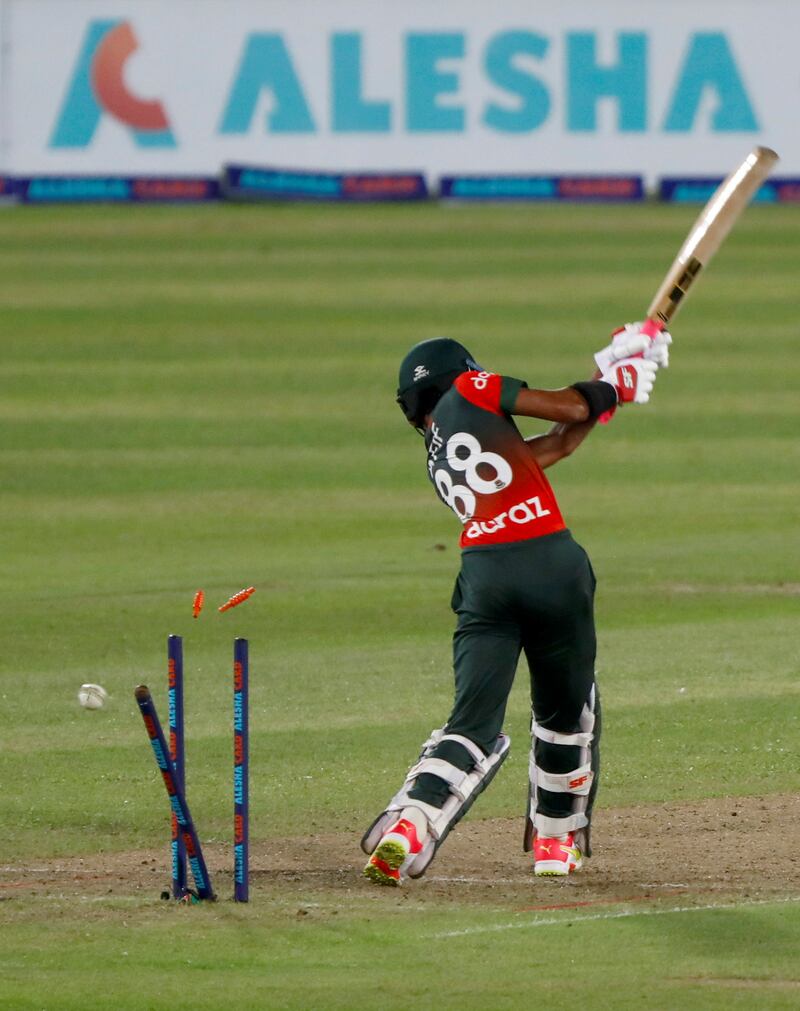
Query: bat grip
[[650, 328]]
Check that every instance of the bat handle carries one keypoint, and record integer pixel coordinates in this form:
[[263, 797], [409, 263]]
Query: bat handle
[[653, 327], [650, 328]]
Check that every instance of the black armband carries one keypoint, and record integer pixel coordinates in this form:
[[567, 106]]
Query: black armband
[[599, 395]]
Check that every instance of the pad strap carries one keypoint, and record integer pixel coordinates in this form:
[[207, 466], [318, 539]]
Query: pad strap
[[451, 774], [553, 737], [558, 826], [477, 755], [578, 782]]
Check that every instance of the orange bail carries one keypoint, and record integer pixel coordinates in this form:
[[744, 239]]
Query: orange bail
[[238, 598]]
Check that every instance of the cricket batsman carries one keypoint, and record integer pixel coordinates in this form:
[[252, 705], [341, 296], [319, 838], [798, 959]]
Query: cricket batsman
[[524, 585]]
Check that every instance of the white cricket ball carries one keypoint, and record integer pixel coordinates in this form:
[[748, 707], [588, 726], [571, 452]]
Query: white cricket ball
[[92, 696]]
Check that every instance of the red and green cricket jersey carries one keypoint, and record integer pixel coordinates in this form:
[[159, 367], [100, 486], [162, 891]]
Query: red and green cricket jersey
[[482, 467]]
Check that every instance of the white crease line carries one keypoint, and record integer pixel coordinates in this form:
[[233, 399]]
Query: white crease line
[[477, 881], [611, 916]]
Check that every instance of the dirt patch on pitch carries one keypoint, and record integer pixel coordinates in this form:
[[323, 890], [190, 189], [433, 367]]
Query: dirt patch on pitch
[[701, 852]]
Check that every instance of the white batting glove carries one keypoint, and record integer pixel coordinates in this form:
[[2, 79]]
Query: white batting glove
[[629, 341], [632, 378], [658, 349]]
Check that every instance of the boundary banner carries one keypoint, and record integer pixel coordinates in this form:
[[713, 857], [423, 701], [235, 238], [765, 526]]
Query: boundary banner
[[251, 183], [75, 189], [694, 190], [583, 189]]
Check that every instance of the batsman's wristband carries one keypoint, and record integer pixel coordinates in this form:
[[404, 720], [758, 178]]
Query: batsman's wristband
[[599, 395]]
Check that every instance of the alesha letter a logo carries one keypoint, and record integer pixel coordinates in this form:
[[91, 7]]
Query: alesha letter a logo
[[98, 87]]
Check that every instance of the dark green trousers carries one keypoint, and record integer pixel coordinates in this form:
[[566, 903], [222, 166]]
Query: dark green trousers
[[535, 597]]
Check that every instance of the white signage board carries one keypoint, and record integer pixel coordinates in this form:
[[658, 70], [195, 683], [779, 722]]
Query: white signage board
[[456, 86]]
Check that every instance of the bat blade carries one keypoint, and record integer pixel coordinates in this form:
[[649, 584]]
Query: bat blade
[[705, 237], [708, 233]]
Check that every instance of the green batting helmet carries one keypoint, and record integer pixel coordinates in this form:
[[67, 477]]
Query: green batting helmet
[[427, 371]]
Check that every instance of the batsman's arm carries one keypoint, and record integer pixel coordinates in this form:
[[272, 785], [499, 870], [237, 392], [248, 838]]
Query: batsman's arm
[[581, 401], [566, 406], [573, 424], [569, 431], [559, 442]]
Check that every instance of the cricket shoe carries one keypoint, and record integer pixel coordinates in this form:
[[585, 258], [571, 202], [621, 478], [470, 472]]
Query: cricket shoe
[[556, 856], [398, 845]]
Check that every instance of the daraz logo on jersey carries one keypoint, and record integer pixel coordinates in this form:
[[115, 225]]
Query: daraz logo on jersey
[[98, 88]]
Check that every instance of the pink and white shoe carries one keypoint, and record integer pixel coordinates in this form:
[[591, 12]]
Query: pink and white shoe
[[556, 856], [399, 843]]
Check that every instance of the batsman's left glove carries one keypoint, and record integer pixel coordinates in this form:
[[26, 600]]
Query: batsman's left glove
[[629, 341]]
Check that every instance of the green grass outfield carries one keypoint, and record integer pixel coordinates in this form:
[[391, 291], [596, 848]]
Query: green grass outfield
[[205, 398]]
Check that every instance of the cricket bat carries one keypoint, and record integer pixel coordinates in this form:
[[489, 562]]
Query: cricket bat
[[705, 237]]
